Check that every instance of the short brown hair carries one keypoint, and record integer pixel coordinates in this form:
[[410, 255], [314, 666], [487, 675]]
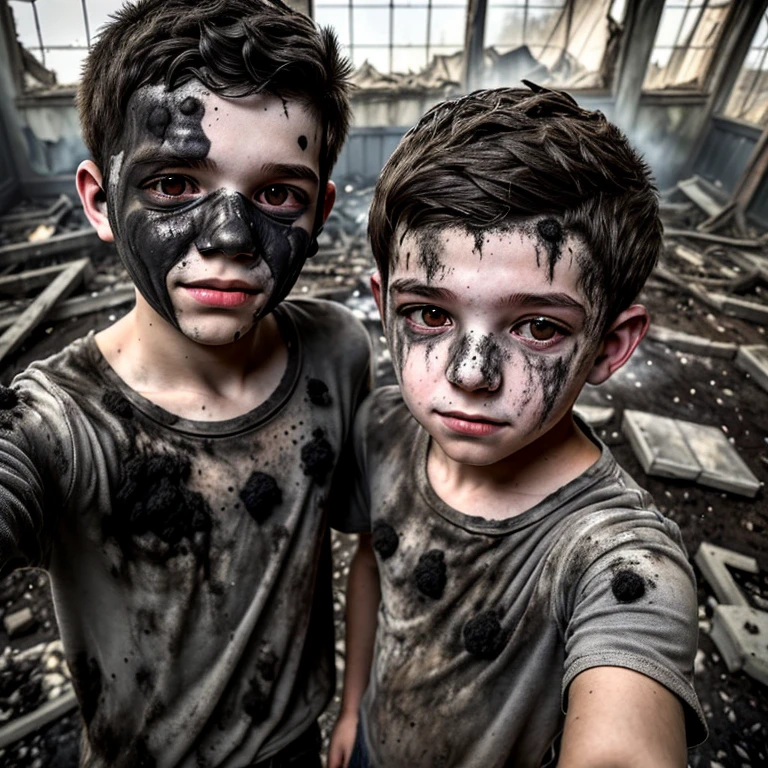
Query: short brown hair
[[484, 161], [235, 47]]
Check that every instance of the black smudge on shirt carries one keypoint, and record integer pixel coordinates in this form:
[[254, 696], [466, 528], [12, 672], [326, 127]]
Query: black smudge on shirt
[[116, 404], [317, 392], [260, 495], [303, 142], [431, 574], [9, 398], [153, 498], [384, 539], [627, 586], [257, 701], [551, 237], [86, 678], [317, 457], [484, 636], [145, 681]]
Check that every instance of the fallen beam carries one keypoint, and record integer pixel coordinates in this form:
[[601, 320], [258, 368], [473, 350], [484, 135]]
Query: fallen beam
[[69, 241], [33, 721], [710, 238], [71, 274], [28, 280]]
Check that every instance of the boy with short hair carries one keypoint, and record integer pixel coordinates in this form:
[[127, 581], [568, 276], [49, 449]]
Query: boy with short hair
[[173, 472], [522, 573]]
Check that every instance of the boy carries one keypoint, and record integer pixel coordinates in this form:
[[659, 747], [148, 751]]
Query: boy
[[522, 572], [173, 472]]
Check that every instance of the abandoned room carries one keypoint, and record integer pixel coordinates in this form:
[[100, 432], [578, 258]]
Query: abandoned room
[[686, 80]]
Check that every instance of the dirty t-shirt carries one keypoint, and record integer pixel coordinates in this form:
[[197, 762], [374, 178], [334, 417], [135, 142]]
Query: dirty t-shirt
[[189, 561], [483, 624]]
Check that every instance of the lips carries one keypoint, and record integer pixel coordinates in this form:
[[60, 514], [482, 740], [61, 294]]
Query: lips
[[470, 424], [220, 293]]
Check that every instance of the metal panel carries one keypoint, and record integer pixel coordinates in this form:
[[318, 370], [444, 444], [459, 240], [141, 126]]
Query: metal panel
[[725, 153], [364, 154]]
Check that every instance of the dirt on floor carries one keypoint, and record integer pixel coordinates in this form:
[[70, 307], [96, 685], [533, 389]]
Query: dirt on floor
[[658, 379]]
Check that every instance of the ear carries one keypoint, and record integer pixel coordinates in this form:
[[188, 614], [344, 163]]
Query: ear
[[329, 199], [89, 186], [620, 341], [376, 291]]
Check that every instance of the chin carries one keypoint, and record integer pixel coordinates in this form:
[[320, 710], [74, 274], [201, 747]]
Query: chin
[[215, 333]]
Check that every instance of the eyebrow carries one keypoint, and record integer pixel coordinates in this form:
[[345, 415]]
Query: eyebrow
[[290, 170], [411, 285]]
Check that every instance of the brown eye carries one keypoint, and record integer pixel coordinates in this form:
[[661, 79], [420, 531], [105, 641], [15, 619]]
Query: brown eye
[[275, 195], [173, 186], [542, 330], [433, 317]]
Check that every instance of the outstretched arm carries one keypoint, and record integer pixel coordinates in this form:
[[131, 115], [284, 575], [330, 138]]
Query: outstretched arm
[[618, 718], [363, 594]]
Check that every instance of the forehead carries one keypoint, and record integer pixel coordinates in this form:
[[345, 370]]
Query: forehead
[[192, 122], [533, 255]]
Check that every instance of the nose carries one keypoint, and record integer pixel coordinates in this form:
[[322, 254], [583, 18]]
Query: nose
[[226, 228], [475, 364]]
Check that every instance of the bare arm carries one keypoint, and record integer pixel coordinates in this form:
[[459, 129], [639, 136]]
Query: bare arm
[[363, 595], [618, 718]]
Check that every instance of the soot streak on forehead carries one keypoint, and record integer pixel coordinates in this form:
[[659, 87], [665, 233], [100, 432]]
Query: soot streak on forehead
[[551, 235], [429, 247]]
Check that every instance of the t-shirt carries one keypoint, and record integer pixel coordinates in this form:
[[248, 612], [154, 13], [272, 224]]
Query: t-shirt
[[483, 624], [189, 560]]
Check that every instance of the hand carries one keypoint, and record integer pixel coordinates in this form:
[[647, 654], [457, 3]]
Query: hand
[[342, 740]]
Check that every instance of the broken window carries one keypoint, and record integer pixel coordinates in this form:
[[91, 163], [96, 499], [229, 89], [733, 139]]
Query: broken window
[[395, 35], [749, 97], [685, 42], [57, 36], [563, 43]]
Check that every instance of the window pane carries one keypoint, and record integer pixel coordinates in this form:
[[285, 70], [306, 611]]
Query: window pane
[[361, 3], [338, 18], [669, 26], [378, 56], [410, 26], [371, 26], [504, 27], [409, 59], [447, 27], [749, 98], [66, 65]]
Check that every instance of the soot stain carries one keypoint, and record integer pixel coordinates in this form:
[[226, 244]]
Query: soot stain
[[457, 356], [627, 586], [431, 574], [153, 497], [384, 539], [86, 677], [303, 142], [317, 457], [261, 494], [551, 234], [484, 636], [753, 629], [318, 394], [429, 244], [9, 398], [145, 681], [279, 535], [491, 359], [116, 404], [257, 701], [158, 121]]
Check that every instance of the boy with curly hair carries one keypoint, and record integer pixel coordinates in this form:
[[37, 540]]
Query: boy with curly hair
[[514, 572], [174, 472]]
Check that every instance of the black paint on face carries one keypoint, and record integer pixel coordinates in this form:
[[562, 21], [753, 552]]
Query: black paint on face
[[260, 496], [303, 142], [491, 360], [430, 574], [458, 355], [627, 586], [551, 233], [384, 539], [165, 129], [429, 247]]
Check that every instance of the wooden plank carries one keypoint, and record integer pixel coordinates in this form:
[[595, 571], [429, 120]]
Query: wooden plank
[[710, 238], [691, 189], [69, 241], [60, 288], [33, 721], [28, 280]]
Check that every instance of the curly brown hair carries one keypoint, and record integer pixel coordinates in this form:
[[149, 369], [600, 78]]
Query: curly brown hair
[[234, 47], [489, 159]]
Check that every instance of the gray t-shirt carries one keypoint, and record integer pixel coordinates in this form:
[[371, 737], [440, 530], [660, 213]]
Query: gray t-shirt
[[483, 624], [189, 560]]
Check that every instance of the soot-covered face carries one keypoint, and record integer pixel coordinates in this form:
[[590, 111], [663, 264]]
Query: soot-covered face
[[212, 203], [491, 335]]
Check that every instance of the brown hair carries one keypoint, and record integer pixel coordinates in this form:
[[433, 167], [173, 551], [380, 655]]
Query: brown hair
[[235, 47], [486, 160]]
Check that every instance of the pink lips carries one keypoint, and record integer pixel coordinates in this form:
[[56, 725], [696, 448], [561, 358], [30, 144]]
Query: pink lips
[[469, 424], [217, 293]]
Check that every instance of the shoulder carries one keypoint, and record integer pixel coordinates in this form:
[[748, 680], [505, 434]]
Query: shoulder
[[383, 418], [323, 321]]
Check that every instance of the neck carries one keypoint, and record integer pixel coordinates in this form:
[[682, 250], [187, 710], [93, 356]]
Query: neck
[[520, 481]]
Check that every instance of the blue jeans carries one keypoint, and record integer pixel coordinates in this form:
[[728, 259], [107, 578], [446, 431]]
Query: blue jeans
[[359, 757]]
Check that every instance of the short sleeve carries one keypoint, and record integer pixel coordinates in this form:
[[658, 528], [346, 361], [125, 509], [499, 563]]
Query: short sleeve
[[352, 513], [635, 607]]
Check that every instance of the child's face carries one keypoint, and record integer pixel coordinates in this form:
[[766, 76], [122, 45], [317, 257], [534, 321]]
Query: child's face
[[492, 338], [212, 203]]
